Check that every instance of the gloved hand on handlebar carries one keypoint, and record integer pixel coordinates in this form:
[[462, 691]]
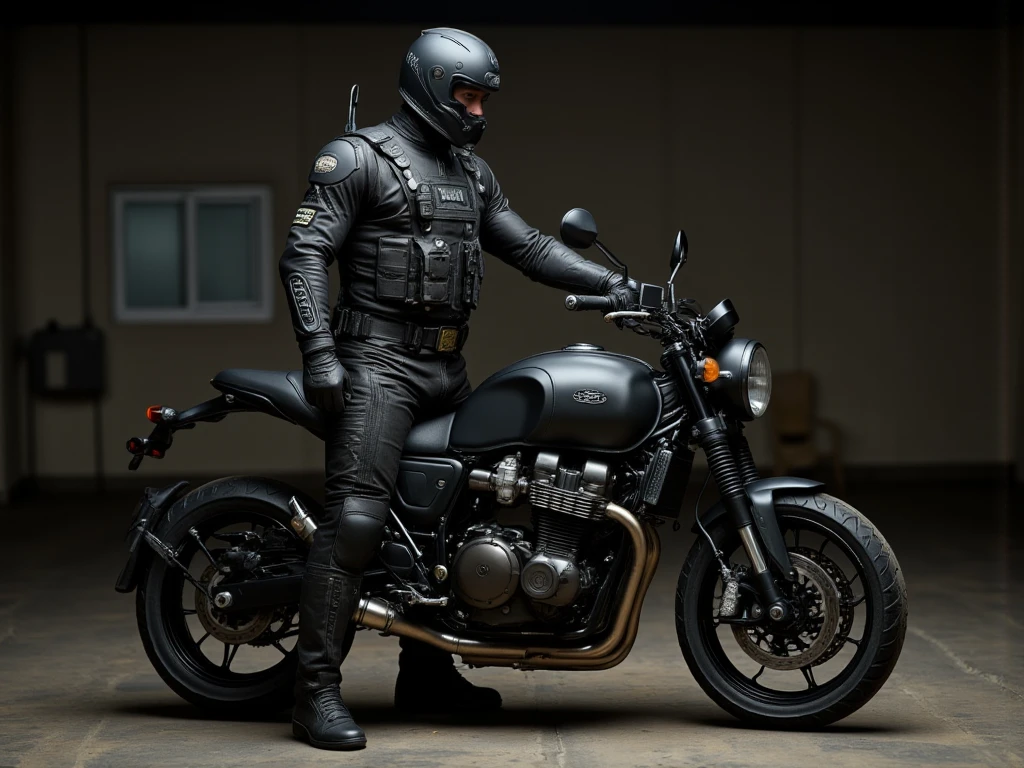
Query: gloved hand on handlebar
[[622, 296], [324, 381]]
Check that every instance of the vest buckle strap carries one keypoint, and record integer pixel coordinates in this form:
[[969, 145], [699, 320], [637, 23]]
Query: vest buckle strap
[[413, 336]]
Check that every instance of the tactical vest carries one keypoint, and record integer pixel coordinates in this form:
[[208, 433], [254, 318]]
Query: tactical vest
[[440, 261]]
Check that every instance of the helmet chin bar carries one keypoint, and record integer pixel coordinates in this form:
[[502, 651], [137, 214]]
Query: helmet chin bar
[[471, 124], [459, 114], [469, 121]]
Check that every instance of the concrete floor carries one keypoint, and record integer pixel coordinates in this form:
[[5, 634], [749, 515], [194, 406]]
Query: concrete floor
[[76, 688]]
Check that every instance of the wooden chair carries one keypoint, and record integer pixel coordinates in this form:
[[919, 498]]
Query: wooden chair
[[795, 427]]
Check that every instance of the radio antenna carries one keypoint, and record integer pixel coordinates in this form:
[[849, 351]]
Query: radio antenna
[[353, 102]]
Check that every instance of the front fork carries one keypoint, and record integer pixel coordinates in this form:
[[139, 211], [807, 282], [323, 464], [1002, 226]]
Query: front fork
[[732, 475]]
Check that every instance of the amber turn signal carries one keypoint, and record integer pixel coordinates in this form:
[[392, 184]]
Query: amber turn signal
[[155, 413], [711, 369]]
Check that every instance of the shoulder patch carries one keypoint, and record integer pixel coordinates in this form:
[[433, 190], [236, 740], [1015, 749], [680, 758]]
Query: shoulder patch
[[334, 163]]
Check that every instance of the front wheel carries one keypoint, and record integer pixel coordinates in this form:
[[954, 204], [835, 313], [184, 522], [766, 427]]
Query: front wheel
[[851, 607]]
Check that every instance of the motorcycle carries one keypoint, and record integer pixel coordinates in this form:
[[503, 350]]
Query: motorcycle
[[523, 531]]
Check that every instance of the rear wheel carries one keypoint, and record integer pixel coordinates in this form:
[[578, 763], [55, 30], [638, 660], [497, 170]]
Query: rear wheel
[[233, 665], [851, 602]]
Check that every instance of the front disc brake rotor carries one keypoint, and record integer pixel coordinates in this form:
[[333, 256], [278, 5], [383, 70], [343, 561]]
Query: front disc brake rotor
[[845, 602], [817, 594], [233, 629]]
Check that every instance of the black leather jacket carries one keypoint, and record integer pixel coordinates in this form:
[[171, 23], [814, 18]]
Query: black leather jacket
[[365, 208]]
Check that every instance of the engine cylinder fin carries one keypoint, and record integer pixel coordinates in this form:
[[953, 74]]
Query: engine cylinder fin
[[558, 534], [578, 503]]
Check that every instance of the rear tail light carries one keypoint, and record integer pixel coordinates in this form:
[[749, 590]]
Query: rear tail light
[[160, 413]]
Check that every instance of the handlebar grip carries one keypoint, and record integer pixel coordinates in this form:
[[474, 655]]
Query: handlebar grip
[[581, 303]]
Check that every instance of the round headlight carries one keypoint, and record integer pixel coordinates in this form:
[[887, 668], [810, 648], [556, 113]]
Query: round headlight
[[759, 382], [746, 378]]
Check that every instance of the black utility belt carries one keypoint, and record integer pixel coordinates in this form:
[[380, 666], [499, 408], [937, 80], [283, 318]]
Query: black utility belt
[[360, 325]]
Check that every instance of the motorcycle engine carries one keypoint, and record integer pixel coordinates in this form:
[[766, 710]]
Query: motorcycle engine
[[494, 564], [487, 566]]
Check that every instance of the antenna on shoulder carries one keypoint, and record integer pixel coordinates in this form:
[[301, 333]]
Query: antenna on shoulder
[[353, 102]]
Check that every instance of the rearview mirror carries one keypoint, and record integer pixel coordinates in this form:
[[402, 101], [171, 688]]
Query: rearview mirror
[[578, 228], [678, 251]]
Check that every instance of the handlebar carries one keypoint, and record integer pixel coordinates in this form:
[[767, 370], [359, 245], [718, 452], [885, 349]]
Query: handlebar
[[581, 303]]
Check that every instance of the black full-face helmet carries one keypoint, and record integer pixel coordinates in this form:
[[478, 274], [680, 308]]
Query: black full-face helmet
[[439, 60]]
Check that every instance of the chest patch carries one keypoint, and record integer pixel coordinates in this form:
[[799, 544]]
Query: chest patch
[[449, 197]]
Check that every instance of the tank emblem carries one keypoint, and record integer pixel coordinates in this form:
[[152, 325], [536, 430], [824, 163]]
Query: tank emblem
[[590, 396]]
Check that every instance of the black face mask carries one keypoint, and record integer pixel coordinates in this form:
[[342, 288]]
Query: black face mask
[[477, 124]]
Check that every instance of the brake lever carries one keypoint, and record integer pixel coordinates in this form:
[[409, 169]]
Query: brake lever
[[611, 317]]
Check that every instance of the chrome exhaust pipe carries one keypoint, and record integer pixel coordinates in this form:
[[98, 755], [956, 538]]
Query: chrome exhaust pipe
[[653, 556], [380, 615], [557, 660]]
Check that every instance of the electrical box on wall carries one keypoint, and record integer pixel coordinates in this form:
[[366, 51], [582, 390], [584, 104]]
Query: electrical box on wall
[[66, 361]]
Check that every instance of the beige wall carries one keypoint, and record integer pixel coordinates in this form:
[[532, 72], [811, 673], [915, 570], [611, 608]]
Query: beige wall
[[1015, 251], [839, 185], [900, 239], [6, 363]]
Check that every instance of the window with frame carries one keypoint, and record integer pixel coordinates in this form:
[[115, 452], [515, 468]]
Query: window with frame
[[198, 253]]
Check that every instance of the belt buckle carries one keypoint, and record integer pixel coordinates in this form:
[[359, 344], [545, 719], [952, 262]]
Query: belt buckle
[[447, 339]]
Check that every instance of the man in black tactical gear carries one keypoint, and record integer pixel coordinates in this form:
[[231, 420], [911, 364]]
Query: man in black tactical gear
[[406, 208]]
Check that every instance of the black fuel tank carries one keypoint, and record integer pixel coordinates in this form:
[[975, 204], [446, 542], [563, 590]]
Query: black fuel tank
[[581, 397]]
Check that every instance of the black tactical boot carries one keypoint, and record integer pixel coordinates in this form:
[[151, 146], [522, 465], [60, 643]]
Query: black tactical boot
[[428, 682], [329, 597]]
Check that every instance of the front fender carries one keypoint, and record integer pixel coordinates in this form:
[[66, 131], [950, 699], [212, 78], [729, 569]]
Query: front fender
[[762, 504]]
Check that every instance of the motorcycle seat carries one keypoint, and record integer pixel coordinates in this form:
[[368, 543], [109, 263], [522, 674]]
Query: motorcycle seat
[[279, 393]]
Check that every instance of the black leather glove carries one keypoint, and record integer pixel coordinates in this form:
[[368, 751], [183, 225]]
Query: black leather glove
[[623, 296], [324, 381]]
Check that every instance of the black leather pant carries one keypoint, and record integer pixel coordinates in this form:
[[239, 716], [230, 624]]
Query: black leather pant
[[391, 390]]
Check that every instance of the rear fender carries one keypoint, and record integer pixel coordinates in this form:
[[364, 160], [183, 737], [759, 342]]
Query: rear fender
[[151, 506], [762, 504]]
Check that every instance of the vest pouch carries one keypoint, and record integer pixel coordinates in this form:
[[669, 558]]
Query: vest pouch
[[437, 269], [472, 272], [397, 269]]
